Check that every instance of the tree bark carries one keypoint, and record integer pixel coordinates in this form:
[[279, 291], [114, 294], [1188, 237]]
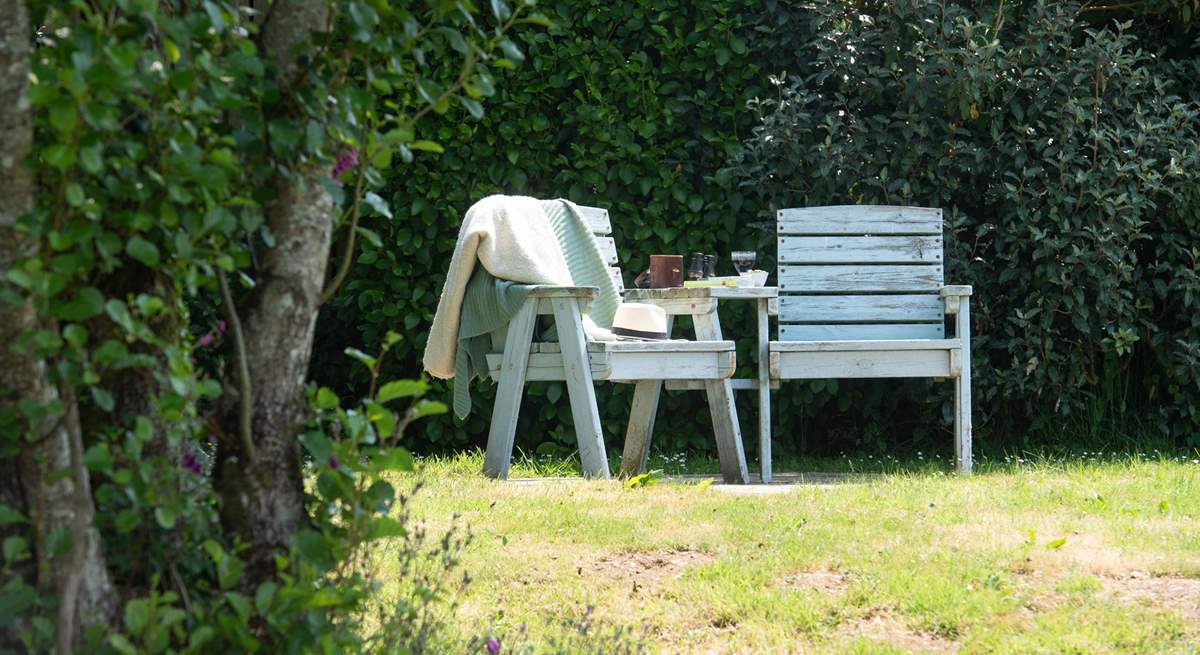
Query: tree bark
[[262, 494], [79, 579]]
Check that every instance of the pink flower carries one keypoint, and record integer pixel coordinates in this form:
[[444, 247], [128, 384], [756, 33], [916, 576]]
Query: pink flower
[[346, 160], [221, 327], [205, 340]]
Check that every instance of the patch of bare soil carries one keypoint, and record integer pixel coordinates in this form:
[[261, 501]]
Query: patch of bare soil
[[1179, 594], [647, 567], [884, 627], [826, 582]]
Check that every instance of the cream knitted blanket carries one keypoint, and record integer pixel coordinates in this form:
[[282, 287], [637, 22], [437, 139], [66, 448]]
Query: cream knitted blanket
[[511, 238]]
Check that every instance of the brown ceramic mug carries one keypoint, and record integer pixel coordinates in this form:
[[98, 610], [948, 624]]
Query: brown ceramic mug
[[666, 271]]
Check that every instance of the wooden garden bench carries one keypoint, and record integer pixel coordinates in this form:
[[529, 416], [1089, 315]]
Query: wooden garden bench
[[577, 362], [861, 295]]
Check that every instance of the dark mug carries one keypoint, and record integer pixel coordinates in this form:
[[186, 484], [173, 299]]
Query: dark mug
[[666, 271], [710, 266], [696, 266]]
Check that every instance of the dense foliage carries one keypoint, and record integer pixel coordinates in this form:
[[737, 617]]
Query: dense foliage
[[1059, 150], [1069, 169], [162, 133], [631, 106]]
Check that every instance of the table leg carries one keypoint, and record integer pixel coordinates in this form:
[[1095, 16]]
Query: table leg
[[724, 414]]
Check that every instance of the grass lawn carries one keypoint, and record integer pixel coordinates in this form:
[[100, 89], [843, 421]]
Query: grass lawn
[[1082, 556]]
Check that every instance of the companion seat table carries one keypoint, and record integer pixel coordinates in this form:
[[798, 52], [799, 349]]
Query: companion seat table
[[701, 303]]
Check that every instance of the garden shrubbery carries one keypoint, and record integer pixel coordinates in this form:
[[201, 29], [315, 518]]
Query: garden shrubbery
[[1061, 144]]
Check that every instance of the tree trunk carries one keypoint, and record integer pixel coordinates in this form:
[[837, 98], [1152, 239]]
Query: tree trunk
[[79, 578], [262, 495]]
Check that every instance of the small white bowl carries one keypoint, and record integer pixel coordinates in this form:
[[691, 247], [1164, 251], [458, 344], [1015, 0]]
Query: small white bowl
[[754, 278]]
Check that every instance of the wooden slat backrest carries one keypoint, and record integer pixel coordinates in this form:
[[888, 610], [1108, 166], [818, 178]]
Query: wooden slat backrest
[[860, 272], [597, 219]]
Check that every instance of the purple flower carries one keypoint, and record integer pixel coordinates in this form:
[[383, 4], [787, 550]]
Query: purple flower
[[205, 340], [212, 438], [346, 160], [190, 461], [221, 327], [333, 462], [493, 645]]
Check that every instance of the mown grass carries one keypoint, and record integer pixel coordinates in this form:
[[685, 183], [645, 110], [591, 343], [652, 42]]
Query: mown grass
[[1093, 555]]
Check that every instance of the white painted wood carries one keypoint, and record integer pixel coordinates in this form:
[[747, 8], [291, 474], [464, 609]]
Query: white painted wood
[[614, 272], [664, 365], [669, 346], [596, 219], [608, 250], [588, 433], [860, 278], [545, 367], [894, 307], [550, 291], [899, 344], [962, 390], [641, 426], [956, 290], [864, 249], [764, 390], [860, 219], [726, 428], [738, 384], [508, 393], [640, 429], [681, 306], [952, 294], [827, 364], [700, 293], [852, 332]]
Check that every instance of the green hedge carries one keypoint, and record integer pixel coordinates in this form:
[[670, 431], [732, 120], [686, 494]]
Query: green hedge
[[1069, 169], [644, 110]]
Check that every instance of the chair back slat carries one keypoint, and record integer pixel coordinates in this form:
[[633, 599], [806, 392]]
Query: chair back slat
[[860, 250], [597, 220], [860, 272], [868, 309], [860, 220], [861, 331]]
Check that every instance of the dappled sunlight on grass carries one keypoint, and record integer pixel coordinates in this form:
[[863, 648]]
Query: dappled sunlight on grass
[[1042, 553]]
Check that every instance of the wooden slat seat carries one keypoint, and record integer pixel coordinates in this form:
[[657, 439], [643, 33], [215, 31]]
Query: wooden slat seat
[[862, 295]]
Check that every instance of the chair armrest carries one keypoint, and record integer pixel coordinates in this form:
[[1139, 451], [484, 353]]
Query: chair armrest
[[956, 296], [548, 291]]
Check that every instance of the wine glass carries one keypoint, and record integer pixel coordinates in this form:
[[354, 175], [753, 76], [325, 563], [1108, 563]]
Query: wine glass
[[743, 260]]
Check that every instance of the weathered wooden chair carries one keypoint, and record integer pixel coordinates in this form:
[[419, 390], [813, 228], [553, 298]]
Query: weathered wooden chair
[[578, 362], [861, 296]]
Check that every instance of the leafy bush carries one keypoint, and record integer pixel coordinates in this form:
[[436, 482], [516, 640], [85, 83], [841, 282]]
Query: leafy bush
[[1067, 166], [632, 106], [159, 131], [1085, 278]]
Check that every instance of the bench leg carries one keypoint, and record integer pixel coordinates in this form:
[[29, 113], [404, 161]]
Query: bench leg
[[724, 414], [508, 392], [641, 426], [962, 419], [764, 392], [962, 391], [578, 370]]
